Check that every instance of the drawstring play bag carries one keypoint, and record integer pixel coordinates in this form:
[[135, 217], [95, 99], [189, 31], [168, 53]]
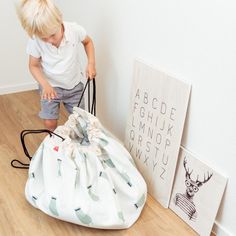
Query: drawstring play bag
[[82, 174]]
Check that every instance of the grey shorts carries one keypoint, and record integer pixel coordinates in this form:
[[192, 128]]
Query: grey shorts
[[69, 97]]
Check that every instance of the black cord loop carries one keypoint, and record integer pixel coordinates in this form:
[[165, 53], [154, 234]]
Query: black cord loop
[[22, 137]]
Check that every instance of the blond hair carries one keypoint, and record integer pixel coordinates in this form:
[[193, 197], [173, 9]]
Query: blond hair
[[39, 17]]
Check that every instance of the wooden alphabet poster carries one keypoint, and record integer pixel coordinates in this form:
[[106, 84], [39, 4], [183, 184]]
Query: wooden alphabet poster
[[154, 128], [197, 193]]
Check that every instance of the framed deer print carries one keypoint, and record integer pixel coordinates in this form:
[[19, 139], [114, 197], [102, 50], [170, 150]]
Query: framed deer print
[[196, 193], [154, 127]]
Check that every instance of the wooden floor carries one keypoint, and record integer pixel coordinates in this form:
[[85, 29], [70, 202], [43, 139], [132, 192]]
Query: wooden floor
[[17, 112]]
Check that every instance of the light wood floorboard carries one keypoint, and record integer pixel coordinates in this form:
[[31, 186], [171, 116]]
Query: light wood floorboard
[[17, 217]]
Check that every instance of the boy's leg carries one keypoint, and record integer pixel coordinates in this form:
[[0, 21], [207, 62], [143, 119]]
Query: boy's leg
[[50, 124], [72, 97]]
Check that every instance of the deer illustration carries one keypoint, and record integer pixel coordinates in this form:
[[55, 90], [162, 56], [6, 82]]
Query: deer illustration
[[185, 201]]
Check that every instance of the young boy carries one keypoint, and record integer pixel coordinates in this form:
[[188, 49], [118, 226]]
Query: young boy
[[54, 57]]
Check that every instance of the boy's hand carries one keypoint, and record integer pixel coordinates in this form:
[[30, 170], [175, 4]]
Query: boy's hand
[[49, 93], [91, 71]]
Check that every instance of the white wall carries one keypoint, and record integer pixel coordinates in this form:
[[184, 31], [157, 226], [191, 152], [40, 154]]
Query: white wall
[[192, 40], [14, 61]]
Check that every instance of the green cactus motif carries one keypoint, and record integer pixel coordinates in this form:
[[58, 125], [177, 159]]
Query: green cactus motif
[[140, 201], [92, 195], [121, 216], [77, 177], [31, 175], [82, 128], [109, 163], [104, 175], [84, 218], [104, 153], [53, 206], [59, 167], [34, 199], [126, 178], [103, 142]]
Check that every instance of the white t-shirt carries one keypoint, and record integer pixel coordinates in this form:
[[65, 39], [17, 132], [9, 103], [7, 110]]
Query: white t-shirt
[[61, 65]]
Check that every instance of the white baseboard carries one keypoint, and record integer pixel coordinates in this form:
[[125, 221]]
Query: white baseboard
[[18, 88], [218, 230]]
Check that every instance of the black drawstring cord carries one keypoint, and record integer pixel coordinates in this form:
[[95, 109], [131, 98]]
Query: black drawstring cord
[[91, 108], [83, 93], [94, 99], [22, 137], [89, 98]]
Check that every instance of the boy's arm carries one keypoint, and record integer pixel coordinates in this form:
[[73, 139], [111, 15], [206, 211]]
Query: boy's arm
[[89, 49], [36, 70]]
